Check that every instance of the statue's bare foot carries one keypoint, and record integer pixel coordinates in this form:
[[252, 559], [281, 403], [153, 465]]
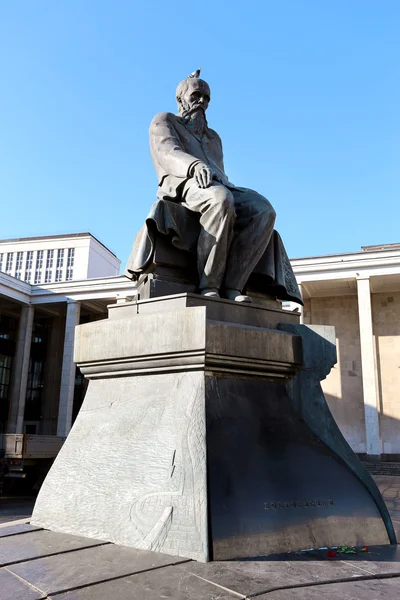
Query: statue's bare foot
[[210, 292], [236, 295]]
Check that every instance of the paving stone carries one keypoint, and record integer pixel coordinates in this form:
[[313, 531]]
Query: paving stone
[[390, 494], [16, 529], [13, 521], [169, 582], [378, 589], [12, 588], [64, 572], [258, 576], [379, 560], [26, 546]]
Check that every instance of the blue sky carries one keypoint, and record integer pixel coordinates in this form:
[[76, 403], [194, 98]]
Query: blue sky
[[305, 95]]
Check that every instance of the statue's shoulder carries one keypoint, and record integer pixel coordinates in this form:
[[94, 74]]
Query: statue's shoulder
[[163, 118]]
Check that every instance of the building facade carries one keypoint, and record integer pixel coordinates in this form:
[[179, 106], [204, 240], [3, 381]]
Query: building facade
[[72, 257], [359, 293], [41, 390]]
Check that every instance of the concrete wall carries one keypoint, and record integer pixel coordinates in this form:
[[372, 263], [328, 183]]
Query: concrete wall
[[343, 386], [91, 258], [386, 325], [101, 262]]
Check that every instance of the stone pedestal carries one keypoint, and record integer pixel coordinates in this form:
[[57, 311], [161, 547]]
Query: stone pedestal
[[205, 434]]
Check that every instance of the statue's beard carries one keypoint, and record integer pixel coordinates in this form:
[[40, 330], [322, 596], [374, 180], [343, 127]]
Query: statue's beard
[[195, 116]]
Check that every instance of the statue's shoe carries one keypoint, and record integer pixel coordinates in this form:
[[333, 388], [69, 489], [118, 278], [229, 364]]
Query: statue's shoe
[[210, 293], [237, 296]]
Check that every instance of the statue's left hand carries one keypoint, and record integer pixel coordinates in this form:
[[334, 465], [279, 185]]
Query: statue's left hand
[[202, 175]]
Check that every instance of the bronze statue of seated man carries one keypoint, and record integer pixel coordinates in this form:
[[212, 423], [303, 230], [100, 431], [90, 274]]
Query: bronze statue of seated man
[[235, 226], [236, 223]]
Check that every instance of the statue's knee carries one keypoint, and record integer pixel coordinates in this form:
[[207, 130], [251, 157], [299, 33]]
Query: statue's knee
[[223, 199], [266, 208]]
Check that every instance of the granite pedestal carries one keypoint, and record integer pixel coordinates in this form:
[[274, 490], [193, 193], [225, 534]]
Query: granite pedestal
[[205, 434]]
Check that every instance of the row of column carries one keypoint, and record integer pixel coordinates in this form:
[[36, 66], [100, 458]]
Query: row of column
[[370, 394], [371, 403], [19, 381], [21, 367]]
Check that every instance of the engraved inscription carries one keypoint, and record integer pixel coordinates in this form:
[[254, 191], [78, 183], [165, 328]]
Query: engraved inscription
[[300, 504]]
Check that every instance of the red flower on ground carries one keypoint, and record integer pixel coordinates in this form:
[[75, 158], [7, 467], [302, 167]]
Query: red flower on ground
[[331, 554]]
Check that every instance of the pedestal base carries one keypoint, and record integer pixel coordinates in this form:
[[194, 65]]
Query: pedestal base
[[208, 439]]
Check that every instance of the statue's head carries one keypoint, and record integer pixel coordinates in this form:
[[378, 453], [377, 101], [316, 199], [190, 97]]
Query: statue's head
[[192, 94]]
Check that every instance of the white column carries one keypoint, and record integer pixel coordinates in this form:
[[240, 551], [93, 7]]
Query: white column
[[68, 370], [20, 371], [371, 406]]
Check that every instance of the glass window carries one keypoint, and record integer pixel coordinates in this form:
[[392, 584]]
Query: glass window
[[5, 374], [38, 276], [28, 276], [48, 275], [29, 260], [39, 259], [49, 259], [60, 258], [18, 262], [9, 262], [1, 261], [70, 257], [58, 274], [34, 389], [69, 274], [8, 327], [18, 265]]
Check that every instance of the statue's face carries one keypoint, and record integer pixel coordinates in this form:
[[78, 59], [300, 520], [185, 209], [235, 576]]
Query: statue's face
[[197, 95]]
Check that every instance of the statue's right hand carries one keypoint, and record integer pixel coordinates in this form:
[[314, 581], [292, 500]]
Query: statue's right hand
[[202, 175]]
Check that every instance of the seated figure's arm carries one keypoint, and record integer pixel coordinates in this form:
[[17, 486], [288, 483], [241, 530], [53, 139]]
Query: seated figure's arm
[[167, 149]]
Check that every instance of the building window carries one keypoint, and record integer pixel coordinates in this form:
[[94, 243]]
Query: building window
[[18, 265], [29, 260], [9, 262], [5, 377], [28, 276], [49, 259], [8, 327], [5, 373], [39, 259], [34, 388], [47, 277], [1, 262], [71, 256], [60, 258], [39, 266], [58, 274], [70, 264]]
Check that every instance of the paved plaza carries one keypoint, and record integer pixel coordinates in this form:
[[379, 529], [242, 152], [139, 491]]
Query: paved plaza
[[37, 564]]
